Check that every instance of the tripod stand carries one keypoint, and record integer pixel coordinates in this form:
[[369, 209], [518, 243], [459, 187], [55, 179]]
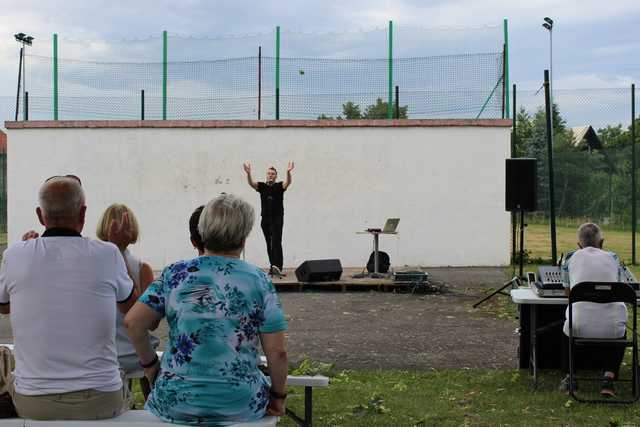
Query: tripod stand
[[516, 281]]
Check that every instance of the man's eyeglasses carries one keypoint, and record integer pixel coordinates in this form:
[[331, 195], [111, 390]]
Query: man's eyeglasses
[[64, 176]]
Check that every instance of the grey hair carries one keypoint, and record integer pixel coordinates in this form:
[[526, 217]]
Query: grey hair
[[589, 234], [61, 199], [225, 223]]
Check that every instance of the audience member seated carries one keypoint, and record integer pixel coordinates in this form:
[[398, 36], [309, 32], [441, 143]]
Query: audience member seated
[[590, 263], [219, 309], [194, 234], [61, 290], [140, 272]]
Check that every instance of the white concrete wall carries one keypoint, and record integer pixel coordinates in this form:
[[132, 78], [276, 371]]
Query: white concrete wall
[[445, 183]]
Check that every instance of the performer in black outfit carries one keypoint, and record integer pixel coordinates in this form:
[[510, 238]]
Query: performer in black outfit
[[272, 198]]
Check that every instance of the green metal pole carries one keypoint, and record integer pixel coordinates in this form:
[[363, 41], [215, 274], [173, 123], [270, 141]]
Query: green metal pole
[[390, 97], [506, 65], [55, 77], [278, 73], [552, 200], [634, 218], [164, 75]]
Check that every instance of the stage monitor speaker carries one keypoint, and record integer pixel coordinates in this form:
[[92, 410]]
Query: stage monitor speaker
[[319, 270], [522, 182]]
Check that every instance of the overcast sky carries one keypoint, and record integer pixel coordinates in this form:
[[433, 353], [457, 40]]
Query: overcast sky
[[596, 43]]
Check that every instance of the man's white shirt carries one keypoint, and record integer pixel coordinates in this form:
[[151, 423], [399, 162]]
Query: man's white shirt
[[592, 320], [63, 292]]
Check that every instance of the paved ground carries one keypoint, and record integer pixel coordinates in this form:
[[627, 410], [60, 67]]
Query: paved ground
[[371, 329]]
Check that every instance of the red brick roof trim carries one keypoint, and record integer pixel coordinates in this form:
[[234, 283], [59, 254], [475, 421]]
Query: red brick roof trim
[[51, 124]]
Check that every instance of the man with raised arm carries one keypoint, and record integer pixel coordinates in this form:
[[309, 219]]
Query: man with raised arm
[[61, 290], [272, 211]]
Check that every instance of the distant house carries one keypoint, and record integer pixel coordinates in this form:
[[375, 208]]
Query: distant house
[[585, 138]]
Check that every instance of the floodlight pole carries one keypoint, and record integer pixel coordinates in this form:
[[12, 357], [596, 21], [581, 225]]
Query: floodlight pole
[[19, 81], [25, 40], [548, 86], [548, 25], [24, 70]]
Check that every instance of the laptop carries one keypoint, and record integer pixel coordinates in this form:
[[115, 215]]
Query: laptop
[[389, 226]]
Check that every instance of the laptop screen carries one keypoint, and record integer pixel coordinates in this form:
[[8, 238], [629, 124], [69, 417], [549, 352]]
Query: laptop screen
[[391, 225]]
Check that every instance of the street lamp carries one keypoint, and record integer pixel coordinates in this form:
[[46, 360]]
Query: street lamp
[[25, 40], [548, 77], [548, 25]]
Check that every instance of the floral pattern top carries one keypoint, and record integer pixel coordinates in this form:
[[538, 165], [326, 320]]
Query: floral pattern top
[[215, 307]]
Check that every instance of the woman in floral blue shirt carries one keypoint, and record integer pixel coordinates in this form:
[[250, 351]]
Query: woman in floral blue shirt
[[219, 309]]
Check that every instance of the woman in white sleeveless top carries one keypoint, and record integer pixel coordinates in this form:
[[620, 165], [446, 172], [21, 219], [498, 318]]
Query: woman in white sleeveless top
[[141, 274]]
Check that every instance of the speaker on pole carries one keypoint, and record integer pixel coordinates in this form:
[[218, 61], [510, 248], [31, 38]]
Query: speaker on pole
[[319, 270], [522, 182]]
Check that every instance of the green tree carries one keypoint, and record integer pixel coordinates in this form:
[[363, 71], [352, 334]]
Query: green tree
[[572, 168], [351, 111], [524, 131], [592, 185], [379, 110]]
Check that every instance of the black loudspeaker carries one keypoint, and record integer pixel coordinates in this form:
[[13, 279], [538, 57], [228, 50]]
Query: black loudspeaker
[[522, 184], [319, 270]]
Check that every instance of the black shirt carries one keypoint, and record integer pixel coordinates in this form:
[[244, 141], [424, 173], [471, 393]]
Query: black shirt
[[271, 198]]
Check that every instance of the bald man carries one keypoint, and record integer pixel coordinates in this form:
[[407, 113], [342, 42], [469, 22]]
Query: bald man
[[61, 290]]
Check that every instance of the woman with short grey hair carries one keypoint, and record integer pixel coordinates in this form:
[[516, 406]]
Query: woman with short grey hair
[[225, 223], [220, 310]]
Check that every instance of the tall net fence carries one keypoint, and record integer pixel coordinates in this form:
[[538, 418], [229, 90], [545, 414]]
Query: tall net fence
[[592, 156], [314, 75]]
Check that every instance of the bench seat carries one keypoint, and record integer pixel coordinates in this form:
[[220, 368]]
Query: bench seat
[[309, 382], [132, 418]]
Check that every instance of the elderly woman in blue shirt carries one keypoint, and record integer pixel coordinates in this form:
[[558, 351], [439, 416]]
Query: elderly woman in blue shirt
[[220, 310]]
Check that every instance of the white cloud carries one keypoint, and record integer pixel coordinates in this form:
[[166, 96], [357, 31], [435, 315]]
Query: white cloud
[[591, 80], [616, 49], [477, 13]]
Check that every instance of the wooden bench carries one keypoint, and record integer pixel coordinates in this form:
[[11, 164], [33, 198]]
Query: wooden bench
[[306, 381], [130, 418]]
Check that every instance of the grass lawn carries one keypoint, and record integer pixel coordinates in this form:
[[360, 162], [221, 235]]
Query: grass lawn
[[452, 398], [538, 242]]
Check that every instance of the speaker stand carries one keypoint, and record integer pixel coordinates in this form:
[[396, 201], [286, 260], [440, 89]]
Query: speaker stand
[[522, 227], [515, 282], [375, 274]]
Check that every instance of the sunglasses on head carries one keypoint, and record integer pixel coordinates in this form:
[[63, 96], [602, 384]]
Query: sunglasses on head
[[64, 176]]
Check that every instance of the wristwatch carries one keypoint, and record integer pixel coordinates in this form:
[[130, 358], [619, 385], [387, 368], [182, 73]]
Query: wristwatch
[[276, 395]]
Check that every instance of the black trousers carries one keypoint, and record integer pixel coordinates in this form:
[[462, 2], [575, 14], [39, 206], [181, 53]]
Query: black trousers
[[272, 229], [604, 358]]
